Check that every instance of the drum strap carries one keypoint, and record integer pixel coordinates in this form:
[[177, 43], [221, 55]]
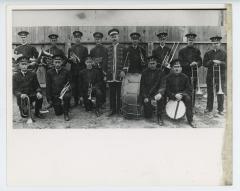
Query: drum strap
[[176, 109]]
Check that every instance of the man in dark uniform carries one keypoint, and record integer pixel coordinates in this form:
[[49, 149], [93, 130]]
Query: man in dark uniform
[[115, 71], [100, 56], [178, 87], [161, 52], [26, 49], [57, 78], [90, 85], [54, 50], [25, 84], [190, 58], [215, 58], [152, 89], [76, 56], [135, 60]]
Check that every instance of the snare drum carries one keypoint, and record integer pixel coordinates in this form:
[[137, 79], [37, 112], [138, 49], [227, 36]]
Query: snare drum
[[175, 109]]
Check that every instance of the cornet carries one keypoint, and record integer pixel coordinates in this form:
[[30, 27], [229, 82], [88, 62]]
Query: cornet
[[26, 109], [64, 90]]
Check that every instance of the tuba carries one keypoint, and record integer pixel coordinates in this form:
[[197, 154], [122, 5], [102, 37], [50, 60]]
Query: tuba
[[25, 109]]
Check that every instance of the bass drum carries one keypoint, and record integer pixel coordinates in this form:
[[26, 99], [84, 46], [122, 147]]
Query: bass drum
[[175, 109], [130, 94]]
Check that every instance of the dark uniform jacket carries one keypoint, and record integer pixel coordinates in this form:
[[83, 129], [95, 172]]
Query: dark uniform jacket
[[26, 50], [54, 50], [87, 76], [186, 56], [152, 82], [208, 63], [56, 82], [160, 53], [100, 55], [121, 55], [135, 59], [177, 83], [82, 53], [27, 84]]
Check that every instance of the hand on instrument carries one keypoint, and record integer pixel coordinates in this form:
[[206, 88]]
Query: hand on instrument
[[122, 74], [158, 97], [39, 95], [217, 62], [73, 59], [146, 100], [193, 64], [23, 96], [178, 96]]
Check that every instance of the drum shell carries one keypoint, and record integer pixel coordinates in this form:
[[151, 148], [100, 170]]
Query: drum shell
[[175, 110], [130, 94]]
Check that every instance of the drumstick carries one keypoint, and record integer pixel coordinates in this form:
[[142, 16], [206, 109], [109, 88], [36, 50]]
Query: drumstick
[[175, 115]]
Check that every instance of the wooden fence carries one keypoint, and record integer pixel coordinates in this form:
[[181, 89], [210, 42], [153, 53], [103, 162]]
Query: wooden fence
[[39, 37]]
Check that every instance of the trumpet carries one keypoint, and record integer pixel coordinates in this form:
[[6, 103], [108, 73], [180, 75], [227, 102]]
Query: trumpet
[[166, 61], [25, 109], [64, 90], [218, 69]]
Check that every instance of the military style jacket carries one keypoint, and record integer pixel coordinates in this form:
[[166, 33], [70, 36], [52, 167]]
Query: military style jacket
[[186, 56], [25, 84], [26, 50], [135, 59], [54, 50], [120, 56], [55, 82], [152, 82], [177, 83], [208, 63], [87, 77]]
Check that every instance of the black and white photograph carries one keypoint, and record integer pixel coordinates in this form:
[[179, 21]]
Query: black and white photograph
[[144, 75]]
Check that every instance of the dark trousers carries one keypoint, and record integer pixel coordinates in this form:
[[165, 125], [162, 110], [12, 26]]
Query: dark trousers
[[210, 97], [194, 87], [115, 95], [187, 100], [32, 98], [96, 92], [148, 109], [104, 91], [74, 86], [60, 108]]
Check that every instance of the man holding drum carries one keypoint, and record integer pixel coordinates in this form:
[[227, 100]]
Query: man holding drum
[[152, 88], [179, 88]]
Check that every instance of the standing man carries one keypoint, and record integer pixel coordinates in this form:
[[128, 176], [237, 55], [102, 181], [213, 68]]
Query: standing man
[[152, 88], [25, 84], [77, 55], [115, 72], [178, 87], [26, 49], [161, 52], [136, 55], [190, 58], [215, 58], [54, 50], [100, 55], [57, 78]]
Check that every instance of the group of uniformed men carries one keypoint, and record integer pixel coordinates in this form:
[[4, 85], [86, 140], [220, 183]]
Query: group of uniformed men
[[110, 65]]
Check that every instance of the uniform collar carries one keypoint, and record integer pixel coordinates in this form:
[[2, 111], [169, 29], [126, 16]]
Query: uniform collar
[[115, 44], [23, 73], [162, 46]]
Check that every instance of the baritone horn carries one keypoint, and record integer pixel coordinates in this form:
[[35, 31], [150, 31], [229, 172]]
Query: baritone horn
[[166, 61], [26, 109]]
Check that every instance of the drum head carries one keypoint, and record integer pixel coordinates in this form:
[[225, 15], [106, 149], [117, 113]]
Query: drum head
[[175, 109]]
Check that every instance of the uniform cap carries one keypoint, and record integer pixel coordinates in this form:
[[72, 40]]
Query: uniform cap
[[113, 31]]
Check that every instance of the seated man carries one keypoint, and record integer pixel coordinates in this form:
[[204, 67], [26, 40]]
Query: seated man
[[57, 78], [90, 83], [25, 84], [178, 88], [152, 88]]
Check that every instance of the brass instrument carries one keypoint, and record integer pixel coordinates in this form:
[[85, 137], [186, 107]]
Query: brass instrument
[[199, 91], [90, 89], [166, 61], [193, 90], [64, 90], [25, 109], [75, 57], [218, 69]]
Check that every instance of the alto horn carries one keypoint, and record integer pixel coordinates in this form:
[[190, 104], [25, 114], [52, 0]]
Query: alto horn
[[26, 109]]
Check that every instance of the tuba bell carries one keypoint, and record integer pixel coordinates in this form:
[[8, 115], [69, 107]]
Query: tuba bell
[[25, 109]]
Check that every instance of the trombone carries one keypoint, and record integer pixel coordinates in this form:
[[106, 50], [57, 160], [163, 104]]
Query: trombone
[[165, 62], [199, 91], [218, 69]]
